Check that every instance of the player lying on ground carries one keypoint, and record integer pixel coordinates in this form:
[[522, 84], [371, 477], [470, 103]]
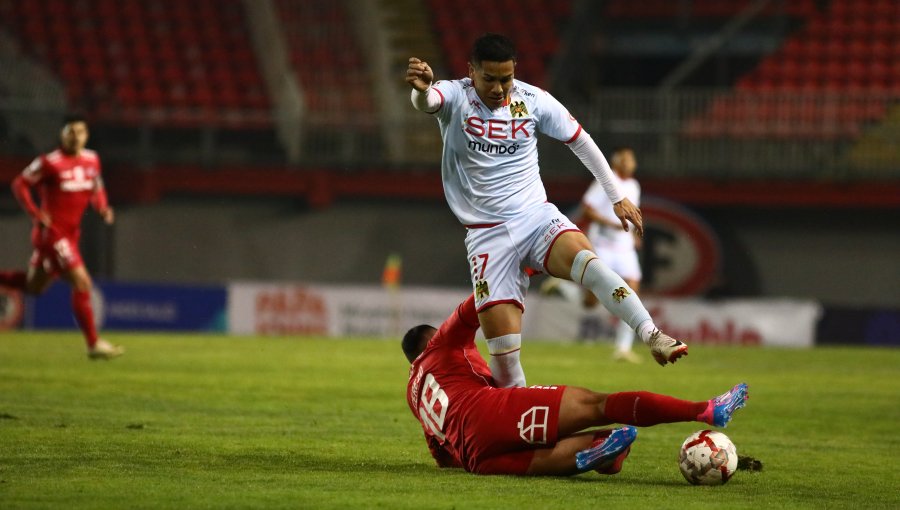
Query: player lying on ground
[[471, 423], [489, 123], [67, 180]]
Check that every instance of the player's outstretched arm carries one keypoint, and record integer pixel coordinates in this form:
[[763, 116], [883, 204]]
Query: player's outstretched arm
[[100, 203], [587, 151]]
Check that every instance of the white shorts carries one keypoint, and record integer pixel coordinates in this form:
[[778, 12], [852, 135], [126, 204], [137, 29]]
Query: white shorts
[[624, 263], [499, 255]]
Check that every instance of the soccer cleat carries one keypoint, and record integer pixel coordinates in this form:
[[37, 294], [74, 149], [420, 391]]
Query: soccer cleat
[[666, 349], [719, 410], [613, 468], [609, 450], [105, 350], [628, 356]]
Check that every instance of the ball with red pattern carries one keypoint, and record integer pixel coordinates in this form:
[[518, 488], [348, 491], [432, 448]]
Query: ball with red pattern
[[707, 458]]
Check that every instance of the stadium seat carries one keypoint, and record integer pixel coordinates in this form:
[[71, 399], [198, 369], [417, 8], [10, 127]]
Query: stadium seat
[[101, 48]]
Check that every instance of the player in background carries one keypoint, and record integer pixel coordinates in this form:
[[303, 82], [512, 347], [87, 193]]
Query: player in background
[[616, 247], [489, 123], [67, 180], [471, 423]]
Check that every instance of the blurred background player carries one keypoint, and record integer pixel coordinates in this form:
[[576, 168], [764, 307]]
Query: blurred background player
[[616, 247], [489, 123], [67, 180], [471, 423]]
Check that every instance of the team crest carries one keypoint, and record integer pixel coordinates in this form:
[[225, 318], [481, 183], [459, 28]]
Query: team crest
[[518, 109], [619, 294], [481, 289]]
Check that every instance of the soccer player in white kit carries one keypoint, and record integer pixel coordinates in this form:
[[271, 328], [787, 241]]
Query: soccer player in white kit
[[489, 123], [616, 247]]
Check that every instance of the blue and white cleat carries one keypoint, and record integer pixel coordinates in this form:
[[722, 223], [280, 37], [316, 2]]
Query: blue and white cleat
[[720, 409], [612, 446]]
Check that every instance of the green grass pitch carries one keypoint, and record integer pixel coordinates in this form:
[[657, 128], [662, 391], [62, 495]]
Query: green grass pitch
[[216, 422]]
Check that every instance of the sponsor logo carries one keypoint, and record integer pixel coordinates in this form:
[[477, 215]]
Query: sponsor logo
[[497, 129], [493, 148], [533, 425], [681, 255], [619, 294], [481, 289], [518, 110], [290, 311]]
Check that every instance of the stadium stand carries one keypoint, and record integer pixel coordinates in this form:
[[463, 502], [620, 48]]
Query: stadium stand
[[327, 60], [828, 80], [533, 24], [666, 9], [160, 61]]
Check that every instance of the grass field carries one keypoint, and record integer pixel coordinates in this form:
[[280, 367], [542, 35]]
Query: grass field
[[215, 422]]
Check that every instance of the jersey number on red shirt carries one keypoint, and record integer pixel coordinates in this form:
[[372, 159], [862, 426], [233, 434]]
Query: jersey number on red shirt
[[433, 407]]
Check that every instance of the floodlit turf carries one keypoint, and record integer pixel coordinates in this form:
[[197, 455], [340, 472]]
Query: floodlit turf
[[193, 422]]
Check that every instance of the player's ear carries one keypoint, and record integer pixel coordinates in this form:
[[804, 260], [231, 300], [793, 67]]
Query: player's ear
[[471, 70]]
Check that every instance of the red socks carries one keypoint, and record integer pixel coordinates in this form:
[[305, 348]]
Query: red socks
[[84, 314], [13, 279], [643, 409]]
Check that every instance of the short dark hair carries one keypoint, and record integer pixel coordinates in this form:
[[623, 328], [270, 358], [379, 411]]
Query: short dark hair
[[493, 48], [72, 117], [412, 339]]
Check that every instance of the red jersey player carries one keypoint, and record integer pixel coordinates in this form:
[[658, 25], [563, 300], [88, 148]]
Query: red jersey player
[[472, 424], [67, 180]]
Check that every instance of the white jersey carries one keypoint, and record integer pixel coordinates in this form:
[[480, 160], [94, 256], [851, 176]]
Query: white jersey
[[604, 237], [490, 160]]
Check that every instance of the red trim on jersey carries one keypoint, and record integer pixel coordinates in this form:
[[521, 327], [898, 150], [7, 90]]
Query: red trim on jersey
[[442, 101], [500, 302], [575, 136], [552, 243], [484, 225]]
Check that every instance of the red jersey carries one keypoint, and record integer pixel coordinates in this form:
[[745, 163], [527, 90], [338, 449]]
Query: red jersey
[[66, 185], [446, 381]]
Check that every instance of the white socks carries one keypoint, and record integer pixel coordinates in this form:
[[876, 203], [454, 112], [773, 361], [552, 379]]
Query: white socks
[[613, 292], [624, 337], [505, 365]]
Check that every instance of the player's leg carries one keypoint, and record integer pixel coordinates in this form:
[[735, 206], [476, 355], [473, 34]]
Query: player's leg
[[13, 279], [499, 284], [82, 284], [625, 335], [581, 408], [572, 256], [502, 327]]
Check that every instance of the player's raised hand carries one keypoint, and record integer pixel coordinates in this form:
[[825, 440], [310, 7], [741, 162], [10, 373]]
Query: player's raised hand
[[108, 215], [419, 74], [626, 211]]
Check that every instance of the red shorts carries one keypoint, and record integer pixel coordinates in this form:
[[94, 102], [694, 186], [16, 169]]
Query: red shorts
[[505, 426], [54, 252]]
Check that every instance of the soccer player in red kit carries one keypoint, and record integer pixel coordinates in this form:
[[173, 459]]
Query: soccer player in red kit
[[67, 180], [472, 424]]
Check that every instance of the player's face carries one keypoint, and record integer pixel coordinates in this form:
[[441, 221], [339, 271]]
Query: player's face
[[74, 137], [626, 164], [492, 81]]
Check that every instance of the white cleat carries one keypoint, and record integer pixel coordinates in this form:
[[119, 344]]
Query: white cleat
[[627, 356], [105, 350], [666, 349]]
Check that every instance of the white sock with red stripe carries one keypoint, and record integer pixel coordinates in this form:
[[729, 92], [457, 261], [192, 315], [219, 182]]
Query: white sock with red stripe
[[505, 365], [613, 292]]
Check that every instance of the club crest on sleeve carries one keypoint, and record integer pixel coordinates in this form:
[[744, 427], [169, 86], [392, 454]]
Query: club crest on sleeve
[[518, 109], [619, 294]]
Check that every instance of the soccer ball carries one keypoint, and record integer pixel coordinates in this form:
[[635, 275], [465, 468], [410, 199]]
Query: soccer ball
[[707, 458]]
